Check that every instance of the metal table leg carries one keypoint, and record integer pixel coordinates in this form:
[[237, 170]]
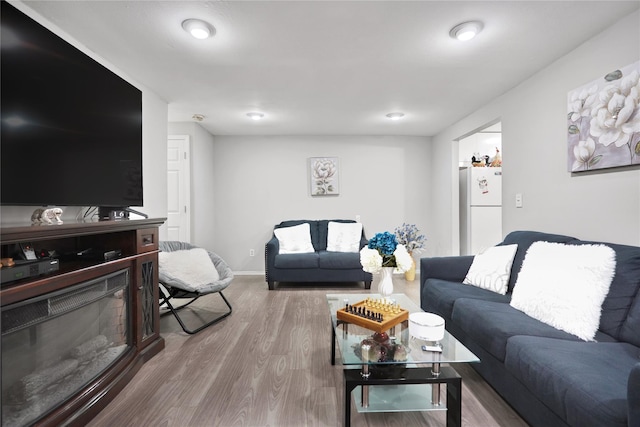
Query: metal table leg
[[365, 348], [435, 387]]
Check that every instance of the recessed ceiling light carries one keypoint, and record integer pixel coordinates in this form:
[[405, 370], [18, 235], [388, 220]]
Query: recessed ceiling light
[[395, 116], [466, 30], [255, 116], [198, 28]]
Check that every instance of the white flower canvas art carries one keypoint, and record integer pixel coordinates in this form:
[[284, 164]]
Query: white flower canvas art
[[324, 176], [603, 121]]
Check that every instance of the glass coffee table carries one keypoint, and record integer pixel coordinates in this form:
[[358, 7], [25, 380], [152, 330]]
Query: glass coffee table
[[412, 381]]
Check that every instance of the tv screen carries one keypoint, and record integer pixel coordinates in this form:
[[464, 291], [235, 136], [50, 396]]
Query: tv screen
[[71, 129]]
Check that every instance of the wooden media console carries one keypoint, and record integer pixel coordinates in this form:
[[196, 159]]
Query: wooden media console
[[74, 337]]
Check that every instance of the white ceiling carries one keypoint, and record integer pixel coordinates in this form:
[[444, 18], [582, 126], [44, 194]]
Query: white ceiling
[[330, 67]]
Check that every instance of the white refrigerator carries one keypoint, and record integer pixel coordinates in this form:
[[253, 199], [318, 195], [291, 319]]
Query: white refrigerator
[[480, 209]]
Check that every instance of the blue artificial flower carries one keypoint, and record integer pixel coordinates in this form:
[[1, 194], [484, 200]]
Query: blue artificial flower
[[384, 250], [385, 243]]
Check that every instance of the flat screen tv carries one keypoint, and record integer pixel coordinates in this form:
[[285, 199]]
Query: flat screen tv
[[71, 128]]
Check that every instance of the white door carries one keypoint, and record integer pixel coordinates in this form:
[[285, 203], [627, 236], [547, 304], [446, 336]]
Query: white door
[[178, 188]]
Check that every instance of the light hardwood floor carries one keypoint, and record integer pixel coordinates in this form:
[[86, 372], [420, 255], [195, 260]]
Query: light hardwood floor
[[268, 364]]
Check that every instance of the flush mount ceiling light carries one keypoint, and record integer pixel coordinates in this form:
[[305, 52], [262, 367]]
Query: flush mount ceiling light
[[395, 116], [255, 116], [198, 117], [466, 30], [198, 28]]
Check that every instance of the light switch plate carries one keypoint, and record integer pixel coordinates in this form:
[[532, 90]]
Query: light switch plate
[[518, 200]]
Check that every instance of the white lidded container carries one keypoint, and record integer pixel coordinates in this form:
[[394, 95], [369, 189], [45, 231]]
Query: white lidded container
[[426, 326]]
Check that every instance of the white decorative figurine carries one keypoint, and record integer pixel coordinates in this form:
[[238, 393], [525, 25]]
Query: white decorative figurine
[[47, 216]]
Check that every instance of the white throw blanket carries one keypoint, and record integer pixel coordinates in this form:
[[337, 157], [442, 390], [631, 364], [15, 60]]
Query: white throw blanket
[[190, 268]]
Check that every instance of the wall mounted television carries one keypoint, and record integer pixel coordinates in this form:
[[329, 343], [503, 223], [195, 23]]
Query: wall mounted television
[[71, 130]]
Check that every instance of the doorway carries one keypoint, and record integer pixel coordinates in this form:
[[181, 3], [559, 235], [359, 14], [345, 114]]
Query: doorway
[[178, 188], [480, 189]]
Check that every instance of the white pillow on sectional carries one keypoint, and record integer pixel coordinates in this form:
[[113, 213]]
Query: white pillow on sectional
[[491, 269], [344, 236], [565, 285], [294, 240]]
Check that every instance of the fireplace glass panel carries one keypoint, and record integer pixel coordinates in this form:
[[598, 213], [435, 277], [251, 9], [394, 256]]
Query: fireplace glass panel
[[55, 344]]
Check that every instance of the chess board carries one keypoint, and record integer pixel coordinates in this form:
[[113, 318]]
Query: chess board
[[364, 314]]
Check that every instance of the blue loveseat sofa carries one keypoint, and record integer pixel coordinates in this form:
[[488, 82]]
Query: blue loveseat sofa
[[550, 377], [317, 267]]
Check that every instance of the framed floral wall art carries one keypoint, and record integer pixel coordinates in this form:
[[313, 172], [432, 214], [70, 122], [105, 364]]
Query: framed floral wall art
[[603, 121], [324, 176]]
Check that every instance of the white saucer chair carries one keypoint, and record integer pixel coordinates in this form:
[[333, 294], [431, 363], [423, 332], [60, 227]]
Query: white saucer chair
[[188, 271]]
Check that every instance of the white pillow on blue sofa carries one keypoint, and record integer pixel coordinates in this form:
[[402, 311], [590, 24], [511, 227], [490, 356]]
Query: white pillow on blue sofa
[[294, 240], [565, 285], [491, 268], [344, 236]]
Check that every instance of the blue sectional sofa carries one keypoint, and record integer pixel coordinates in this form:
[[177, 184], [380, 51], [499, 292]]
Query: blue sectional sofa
[[550, 377], [319, 266]]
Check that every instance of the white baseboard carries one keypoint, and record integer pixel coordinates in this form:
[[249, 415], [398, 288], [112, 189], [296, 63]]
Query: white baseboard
[[261, 273], [249, 273]]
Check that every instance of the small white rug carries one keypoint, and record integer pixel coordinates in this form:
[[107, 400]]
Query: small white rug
[[191, 267]]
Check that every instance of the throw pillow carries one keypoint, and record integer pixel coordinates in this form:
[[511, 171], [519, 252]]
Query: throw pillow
[[344, 237], [187, 269], [491, 269], [294, 240], [565, 285]]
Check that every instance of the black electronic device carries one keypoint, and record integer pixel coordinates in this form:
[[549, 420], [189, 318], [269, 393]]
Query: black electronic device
[[25, 269], [112, 214], [111, 255], [27, 252], [95, 254], [71, 128]]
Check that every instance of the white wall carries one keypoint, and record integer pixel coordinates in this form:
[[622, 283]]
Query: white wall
[[154, 144], [154, 157], [261, 181], [203, 204], [602, 205]]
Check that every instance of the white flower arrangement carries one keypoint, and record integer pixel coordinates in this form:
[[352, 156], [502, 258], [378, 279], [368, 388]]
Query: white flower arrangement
[[384, 251]]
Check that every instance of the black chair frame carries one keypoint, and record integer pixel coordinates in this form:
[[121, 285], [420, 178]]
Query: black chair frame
[[179, 293], [177, 289]]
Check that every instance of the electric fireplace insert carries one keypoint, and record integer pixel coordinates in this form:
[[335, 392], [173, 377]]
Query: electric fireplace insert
[[55, 344]]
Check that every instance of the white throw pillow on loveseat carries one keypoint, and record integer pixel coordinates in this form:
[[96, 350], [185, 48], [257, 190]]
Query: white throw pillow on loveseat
[[344, 236], [294, 240]]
